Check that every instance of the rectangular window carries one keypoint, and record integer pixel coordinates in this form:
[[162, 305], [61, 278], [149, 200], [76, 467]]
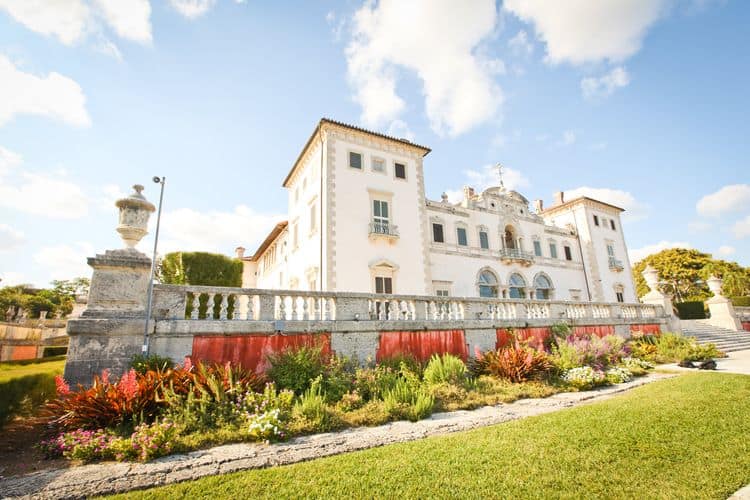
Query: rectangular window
[[461, 236], [610, 249], [596, 220], [620, 297], [568, 253], [378, 165], [612, 224], [380, 211], [553, 250], [383, 284], [484, 240], [441, 293], [355, 160], [400, 170], [313, 218], [537, 248], [437, 233], [295, 236]]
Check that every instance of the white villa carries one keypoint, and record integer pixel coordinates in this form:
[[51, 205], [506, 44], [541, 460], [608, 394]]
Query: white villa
[[359, 221]]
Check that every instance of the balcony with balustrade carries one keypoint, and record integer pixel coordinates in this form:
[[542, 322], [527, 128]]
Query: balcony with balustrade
[[509, 255], [382, 229], [616, 265]]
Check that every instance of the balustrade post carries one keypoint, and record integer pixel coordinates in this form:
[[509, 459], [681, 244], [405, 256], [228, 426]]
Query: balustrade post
[[350, 308], [266, 307]]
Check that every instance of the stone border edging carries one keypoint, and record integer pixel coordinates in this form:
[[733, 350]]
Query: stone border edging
[[115, 477]]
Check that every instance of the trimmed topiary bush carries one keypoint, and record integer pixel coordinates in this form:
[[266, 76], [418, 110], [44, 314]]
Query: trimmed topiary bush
[[741, 301], [691, 310]]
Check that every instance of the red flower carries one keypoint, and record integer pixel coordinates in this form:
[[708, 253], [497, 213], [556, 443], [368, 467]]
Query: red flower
[[62, 387]]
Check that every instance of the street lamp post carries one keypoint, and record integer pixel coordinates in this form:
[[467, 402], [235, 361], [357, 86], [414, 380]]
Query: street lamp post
[[144, 348]]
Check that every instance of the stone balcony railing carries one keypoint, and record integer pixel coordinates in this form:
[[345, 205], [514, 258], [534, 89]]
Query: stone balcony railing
[[383, 229], [176, 302], [516, 255], [615, 265], [743, 313]]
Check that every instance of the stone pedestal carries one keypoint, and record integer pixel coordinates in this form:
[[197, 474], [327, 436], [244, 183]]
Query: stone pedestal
[[721, 308], [119, 284], [658, 298]]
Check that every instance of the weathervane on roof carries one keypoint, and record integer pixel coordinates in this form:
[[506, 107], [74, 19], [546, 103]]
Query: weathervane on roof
[[499, 168]]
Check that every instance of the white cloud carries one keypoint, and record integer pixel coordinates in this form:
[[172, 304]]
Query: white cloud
[[10, 238], [568, 138], [726, 250], [729, 199], [698, 226], [634, 209], [55, 96], [213, 231], [585, 31], [130, 19], [605, 85], [486, 177], [442, 50], [11, 278], [65, 261], [192, 8], [520, 44], [637, 254], [400, 129], [741, 228], [108, 48], [47, 194], [8, 160], [71, 21]]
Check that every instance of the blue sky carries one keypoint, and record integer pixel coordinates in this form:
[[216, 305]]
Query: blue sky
[[641, 103]]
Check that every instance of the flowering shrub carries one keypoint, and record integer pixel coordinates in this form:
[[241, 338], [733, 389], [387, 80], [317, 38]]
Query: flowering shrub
[[618, 375], [584, 377], [585, 350], [632, 362], [150, 441], [516, 363], [445, 369], [85, 445], [266, 426], [372, 383]]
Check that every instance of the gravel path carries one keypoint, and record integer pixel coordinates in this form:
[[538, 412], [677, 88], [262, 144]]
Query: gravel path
[[113, 477]]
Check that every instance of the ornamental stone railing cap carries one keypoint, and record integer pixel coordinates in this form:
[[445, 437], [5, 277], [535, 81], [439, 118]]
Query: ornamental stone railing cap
[[136, 200]]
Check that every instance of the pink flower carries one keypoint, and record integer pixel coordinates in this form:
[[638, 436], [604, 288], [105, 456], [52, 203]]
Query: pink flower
[[105, 376], [62, 387], [188, 365], [128, 385]]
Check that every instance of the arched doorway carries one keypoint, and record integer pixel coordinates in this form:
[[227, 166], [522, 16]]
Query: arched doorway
[[509, 237]]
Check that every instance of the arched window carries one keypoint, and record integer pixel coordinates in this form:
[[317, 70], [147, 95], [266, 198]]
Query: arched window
[[510, 237], [517, 286], [543, 287], [487, 284]]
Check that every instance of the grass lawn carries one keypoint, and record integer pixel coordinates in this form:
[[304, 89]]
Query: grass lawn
[[16, 369], [687, 437], [25, 385]]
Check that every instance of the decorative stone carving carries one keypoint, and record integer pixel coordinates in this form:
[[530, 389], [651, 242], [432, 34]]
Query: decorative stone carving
[[715, 284], [135, 211], [720, 307], [656, 297]]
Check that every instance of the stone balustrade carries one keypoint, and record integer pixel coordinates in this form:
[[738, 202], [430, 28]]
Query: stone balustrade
[[177, 302], [743, 313]]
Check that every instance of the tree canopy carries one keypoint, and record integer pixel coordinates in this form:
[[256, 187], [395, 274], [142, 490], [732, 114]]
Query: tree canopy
[[200, 268], [685, 272], [60, 298]]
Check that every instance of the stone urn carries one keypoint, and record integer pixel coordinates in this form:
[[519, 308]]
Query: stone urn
[[714, 284], [135, 211], [651, 276]]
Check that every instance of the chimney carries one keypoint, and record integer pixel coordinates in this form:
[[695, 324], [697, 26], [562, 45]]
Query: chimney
[[468, 192], [559, 198], [539, 206], [240, 251]]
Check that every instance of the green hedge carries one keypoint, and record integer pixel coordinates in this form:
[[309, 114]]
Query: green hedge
[[741, 301], [200, 268], [691, 310], [22, 395], [52, 351]]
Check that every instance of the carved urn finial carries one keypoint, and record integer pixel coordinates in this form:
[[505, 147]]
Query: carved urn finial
[[715, 284], [651, 276], [135, 211]]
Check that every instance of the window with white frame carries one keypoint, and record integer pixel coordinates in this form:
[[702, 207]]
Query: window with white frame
[[537, 248], [295, 235], [313, 217], [380, 216], [543, 287], [488, 284], [378, 165], [553, 249], [461, 238], [516, 286], [484, 239], [383, 284]]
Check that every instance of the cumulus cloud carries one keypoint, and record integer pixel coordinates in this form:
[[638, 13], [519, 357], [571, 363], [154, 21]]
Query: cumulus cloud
[[605, 85], [71, 21], [54, 96], [48, 194], [10, 238], [11, 278], [637, 254], [213, 230], [442, 49], [741, 228], [520, 44], [64, 261], [192, 8], [589, 30], [729, 199], [726, 250], [486, 177], [634, 209]]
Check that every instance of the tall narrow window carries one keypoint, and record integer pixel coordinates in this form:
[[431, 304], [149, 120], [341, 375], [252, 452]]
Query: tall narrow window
[[484, 240], [461, 236], [596, 220], [517, 289], [487, 284], [383, 284], [612, 224], [543, 287], [568, 253], [295, 236], [313, 218], [620, 297], [399, 170], [611, 250], [553, 250], [537, 248], [355, 160], [437, 233], [380, 217]]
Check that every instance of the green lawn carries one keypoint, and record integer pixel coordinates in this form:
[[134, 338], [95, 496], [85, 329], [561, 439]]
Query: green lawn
[[25, 385], [687, 437]]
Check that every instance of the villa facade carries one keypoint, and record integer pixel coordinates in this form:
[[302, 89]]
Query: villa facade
[[359, 221]]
